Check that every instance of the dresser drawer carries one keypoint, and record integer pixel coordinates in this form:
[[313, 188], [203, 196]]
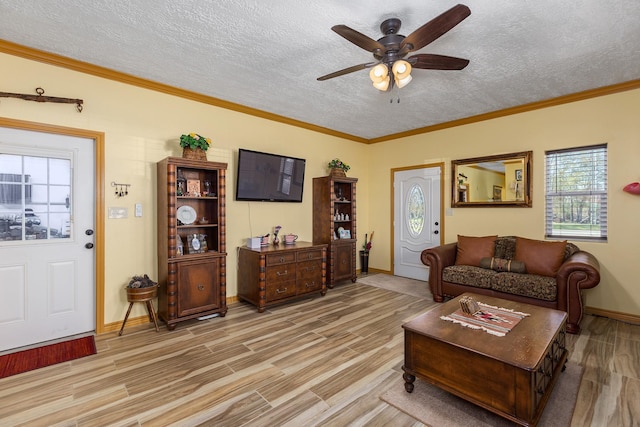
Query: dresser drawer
[[281, 273], [281, 258], [310, 255], [309, 270], [276, 291]]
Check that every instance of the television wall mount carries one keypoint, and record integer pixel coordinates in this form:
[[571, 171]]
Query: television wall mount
[[41, 98]]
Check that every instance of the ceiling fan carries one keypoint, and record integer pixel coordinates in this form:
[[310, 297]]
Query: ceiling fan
[[390, 50]]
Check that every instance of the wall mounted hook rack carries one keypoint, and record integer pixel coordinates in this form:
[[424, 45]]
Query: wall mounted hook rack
[[121, 189]]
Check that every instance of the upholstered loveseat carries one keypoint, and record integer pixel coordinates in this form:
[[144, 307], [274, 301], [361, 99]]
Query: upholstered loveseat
[[548, 274]]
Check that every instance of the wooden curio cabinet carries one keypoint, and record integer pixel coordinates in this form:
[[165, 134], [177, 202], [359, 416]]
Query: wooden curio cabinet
[[334, 224], [191, 239]]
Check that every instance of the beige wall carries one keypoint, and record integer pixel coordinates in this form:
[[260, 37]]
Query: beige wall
[[142, 127], [609, 119]]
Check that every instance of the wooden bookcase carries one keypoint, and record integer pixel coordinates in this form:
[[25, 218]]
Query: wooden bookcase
[[192, 281], [334, 224]]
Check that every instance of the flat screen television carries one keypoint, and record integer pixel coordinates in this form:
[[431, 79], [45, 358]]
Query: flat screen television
[[269, 177]]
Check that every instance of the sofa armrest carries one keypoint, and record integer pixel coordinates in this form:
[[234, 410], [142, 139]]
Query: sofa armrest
[[580, 271], [437, 259]]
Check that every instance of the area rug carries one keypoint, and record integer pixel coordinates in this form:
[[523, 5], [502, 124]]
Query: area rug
[[39, 357], [437, 408], [417, 288]]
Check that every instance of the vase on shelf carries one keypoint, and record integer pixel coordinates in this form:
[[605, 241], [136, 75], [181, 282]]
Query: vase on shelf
[[194, 154], [337, 172], [276, 241]]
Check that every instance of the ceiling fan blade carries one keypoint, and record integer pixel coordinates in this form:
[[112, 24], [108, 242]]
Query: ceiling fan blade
[[435, 28], [347, 71], [428, 61], [359, 39]]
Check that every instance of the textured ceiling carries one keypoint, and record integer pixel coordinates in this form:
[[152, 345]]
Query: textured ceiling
[[267, 55]]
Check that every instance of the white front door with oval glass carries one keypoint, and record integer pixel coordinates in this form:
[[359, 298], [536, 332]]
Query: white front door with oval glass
[[47, 261], [416, 219]]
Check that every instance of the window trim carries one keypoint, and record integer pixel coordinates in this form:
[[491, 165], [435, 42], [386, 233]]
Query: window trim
[[601, 194]]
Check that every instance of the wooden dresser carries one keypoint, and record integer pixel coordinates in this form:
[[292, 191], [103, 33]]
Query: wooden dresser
[[274, 274]]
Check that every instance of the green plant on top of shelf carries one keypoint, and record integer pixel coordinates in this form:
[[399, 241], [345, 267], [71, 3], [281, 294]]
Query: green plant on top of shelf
[[193, 141], [338, 164]]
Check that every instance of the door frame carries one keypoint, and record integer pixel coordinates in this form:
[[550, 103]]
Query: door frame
[[440, 165], [98, 138]]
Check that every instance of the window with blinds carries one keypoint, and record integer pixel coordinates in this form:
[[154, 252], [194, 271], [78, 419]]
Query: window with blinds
[[576, 193]]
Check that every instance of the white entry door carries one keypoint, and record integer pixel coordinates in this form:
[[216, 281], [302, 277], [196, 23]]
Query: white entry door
[[47, 261], [416, 219]]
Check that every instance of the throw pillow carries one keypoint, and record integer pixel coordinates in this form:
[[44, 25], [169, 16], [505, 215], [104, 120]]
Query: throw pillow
[[472, 249], [542, 258], [501, 264]]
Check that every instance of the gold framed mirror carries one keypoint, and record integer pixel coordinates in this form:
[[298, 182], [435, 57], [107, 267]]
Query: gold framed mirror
[[502, 180]]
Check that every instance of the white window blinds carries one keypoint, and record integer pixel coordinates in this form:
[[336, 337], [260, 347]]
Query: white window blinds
[[576, 193]]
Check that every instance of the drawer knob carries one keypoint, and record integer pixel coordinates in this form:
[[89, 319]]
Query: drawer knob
[[201, 287], [281, 291], [282, 273], [281, 259]]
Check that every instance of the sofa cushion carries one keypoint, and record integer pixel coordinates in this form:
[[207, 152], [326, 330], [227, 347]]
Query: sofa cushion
[[502, 264], [472, 249], [468, 275], [541, 257], [528, 285], [505, 247]]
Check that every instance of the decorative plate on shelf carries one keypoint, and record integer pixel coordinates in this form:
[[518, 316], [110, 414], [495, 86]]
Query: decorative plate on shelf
[[186, 214]]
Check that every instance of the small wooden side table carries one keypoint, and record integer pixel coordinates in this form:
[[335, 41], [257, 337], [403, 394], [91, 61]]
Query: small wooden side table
[[145, 295]]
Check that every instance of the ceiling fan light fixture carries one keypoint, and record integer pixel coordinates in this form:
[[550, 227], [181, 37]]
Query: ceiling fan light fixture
[[382, 85], [401, 69], [379, 73], [403, 82]]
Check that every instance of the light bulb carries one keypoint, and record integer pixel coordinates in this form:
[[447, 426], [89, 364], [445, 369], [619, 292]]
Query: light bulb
[[401, 69], [378, 73]]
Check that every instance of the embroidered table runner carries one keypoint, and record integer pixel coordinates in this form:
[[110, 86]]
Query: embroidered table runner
[[493, 320]]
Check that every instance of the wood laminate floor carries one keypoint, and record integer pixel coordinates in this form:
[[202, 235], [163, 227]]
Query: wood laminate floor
[[317, 361]]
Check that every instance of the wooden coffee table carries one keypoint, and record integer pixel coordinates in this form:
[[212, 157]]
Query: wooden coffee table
[[511, 376]]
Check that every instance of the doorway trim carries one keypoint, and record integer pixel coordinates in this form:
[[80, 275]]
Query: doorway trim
[[98, 138], [392, 201]]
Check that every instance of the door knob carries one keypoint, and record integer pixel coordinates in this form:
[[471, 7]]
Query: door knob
[[436, 232], [88, 245], [436, 223], [89, 232]]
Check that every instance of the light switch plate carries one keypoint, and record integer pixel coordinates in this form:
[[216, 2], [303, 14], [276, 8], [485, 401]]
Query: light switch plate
[[138, 209]]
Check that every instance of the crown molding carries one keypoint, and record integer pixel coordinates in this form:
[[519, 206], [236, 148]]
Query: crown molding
[[95, 70], [574, 97], [106, 73]]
